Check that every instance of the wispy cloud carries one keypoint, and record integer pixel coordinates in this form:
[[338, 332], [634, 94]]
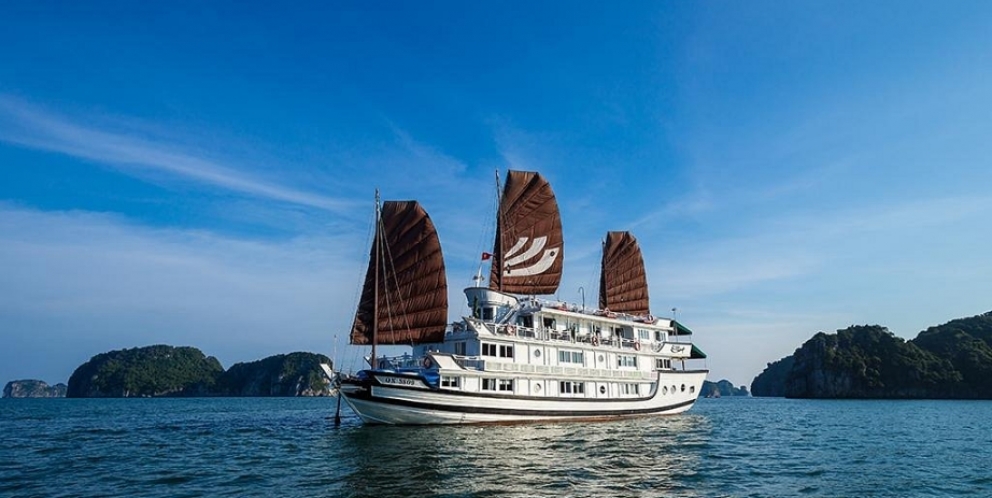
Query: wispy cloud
[[79, 283], [30, 126], [804, 246]]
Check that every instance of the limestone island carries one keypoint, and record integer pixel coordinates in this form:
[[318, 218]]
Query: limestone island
[[949, 361], [167, 371], [30, 388]]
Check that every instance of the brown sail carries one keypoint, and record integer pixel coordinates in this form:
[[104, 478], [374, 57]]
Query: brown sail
[[412, 287], [623, 284], [528, 253]]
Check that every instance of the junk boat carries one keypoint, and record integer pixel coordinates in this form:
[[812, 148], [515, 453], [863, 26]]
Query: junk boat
[[517, 357]]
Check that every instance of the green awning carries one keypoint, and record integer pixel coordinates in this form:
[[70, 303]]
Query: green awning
[[697, 353], [681, 329]]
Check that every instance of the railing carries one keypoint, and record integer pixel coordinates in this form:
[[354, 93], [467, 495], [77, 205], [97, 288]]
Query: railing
[[564, 336], [535, 304]]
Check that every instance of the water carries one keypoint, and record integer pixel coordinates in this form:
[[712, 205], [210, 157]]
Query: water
[[290, 448]]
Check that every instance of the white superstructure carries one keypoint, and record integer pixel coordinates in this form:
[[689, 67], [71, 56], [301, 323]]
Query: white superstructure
[[525, 360]]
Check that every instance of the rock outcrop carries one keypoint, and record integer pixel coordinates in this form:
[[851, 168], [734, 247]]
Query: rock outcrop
[[953, 360], [294, 374], [157, 371], [721, 389], [150, 371], [33, 389]]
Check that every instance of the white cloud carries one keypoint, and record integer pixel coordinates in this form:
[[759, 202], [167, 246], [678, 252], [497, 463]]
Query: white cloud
[[76, 284], [28, 126]]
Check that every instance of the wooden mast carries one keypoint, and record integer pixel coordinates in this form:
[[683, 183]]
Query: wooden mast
[[378, 252]]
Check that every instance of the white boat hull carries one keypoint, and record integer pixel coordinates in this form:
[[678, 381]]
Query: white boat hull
[[414, 402]]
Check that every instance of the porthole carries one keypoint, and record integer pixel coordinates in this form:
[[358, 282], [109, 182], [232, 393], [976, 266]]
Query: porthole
[[602, 389], [674, 390], [600, 358], [664, 390], [537, 387], [683, 387], [692, 389], [537, 353]]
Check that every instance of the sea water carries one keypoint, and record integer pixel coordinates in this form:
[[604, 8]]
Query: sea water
[[290, 447]]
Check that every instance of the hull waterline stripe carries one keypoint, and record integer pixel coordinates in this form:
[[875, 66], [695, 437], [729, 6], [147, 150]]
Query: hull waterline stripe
[[365, 396]]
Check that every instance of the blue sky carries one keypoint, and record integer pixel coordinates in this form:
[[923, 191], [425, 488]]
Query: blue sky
[[202, 174]]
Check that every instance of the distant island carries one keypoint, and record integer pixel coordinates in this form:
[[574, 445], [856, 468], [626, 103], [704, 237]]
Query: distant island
[[30, 388], [949, 361], [167, 371], [721, 389]]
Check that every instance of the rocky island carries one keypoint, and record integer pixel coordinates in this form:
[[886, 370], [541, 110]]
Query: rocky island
[[949, 361], [30, 388], [720, 389], [159, 371]]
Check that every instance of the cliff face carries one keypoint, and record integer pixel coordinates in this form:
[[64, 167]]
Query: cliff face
[[720, 389], [33, 389], [294, 374], [145, 372], [772, 381], [953, 360], [157, 371]]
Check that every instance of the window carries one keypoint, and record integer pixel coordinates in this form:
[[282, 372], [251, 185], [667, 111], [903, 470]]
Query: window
[[663, 363], [626, 361], [506, 385], [575, 357], [460, 348], [488, 384], [631, 389], [549, 323], [505, 351], [565, 387], [488, 349], [659, 336], [452, 382], [644, 335], [487, 313]]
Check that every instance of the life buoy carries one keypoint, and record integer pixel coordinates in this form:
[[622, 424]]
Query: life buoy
[[512, 330], [637, 346], [427, 362], [595, 340]]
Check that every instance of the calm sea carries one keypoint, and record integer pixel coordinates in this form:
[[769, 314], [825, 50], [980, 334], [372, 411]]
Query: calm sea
[[290, 447]]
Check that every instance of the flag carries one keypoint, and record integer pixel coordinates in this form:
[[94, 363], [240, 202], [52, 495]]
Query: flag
[[486, 256]]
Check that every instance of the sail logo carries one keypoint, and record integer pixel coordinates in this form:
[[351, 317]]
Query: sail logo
[[518, 255]]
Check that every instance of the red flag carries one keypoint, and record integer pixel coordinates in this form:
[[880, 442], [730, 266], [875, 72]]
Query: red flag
[[486, 256]]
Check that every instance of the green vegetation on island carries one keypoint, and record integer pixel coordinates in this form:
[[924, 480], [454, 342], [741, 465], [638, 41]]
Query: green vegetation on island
[[721, 389], [146, 372], [294, 374], [157, 371], [30, 388], [951, 361]]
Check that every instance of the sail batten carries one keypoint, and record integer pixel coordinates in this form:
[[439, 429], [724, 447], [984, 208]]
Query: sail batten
[[412, 302], [623, 285], [529, 250]]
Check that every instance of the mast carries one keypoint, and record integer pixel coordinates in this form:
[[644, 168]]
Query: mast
[[375, 300], [498, 255]]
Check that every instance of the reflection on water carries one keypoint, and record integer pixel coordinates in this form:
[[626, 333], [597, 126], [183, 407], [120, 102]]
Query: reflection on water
[[291, 448], [647, 456]]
